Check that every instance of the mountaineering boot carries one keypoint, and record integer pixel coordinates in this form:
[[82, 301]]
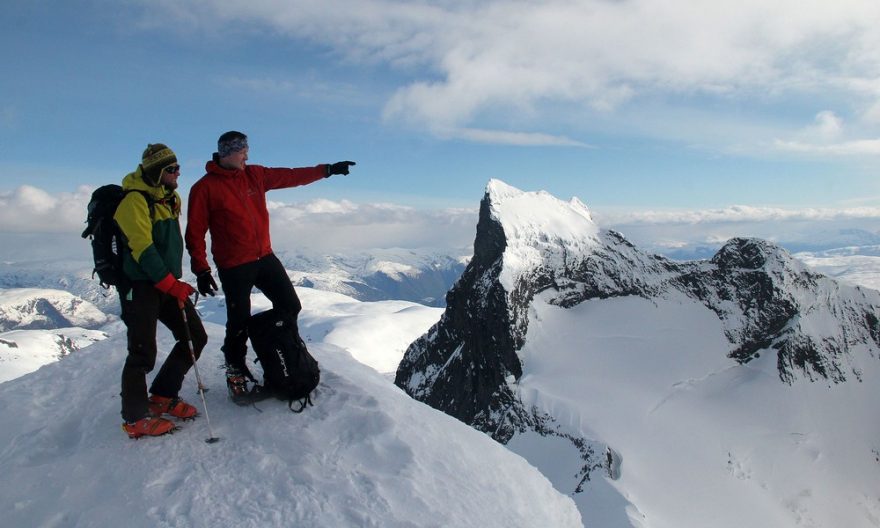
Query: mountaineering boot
[[236, 383], [148, 426], [176, 407]]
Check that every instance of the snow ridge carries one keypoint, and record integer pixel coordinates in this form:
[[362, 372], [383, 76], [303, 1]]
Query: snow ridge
[[364, 455]]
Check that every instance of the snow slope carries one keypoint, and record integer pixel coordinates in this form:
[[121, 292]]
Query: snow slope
[[375, 333], [23, 351], [701, 441], [365, 455]]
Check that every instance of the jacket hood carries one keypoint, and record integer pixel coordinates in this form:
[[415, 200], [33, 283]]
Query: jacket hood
[[214, 167], [134, 181]]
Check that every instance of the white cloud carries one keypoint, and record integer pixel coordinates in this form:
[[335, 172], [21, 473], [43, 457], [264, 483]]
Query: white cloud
[[318, 224], [825, 137], [828, 126], [28, 209], [846, 148], [515, 138], [340, 227], [307, 87], [683, 230], [343, 226], [488, 66], [738, 214]]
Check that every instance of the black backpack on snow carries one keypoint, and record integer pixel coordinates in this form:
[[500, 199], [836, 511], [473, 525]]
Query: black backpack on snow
[[289, 371], [108, 242]]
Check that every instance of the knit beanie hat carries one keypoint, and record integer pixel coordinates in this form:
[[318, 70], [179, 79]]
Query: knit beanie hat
[[230, 142], [156, 157]]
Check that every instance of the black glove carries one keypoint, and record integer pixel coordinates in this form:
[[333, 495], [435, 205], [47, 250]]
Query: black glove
[[340, 167], [205, 283]]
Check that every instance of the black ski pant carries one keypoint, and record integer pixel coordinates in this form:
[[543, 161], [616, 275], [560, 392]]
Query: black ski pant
[[141, 309], [266, 274]]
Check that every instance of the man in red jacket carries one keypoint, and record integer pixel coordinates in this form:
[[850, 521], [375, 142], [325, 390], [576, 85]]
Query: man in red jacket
[[230, 202]]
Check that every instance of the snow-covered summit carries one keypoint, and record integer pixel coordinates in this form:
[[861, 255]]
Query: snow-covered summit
[[538, 212], [364, 455], [537, 228], [37, 308]]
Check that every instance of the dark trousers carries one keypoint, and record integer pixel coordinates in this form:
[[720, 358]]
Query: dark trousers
[[140, 311], [266, 274]]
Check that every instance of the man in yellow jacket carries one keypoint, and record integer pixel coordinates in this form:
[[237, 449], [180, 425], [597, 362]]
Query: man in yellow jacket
[[148, 217]]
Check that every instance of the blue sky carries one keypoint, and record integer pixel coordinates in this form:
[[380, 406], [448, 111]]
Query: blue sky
[[629, 105]]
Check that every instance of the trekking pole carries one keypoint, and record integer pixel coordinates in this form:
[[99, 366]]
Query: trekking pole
[[211, 439]]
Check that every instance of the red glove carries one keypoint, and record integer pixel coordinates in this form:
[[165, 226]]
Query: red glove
[[175, 288]]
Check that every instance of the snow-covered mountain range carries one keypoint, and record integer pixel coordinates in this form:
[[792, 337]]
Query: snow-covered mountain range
[[418, 275], [423, 276], [738, 391]]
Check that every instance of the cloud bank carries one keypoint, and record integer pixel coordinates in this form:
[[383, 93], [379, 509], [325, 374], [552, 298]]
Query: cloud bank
[[325, 226], [52, 223], [28, 209], [316, 225], [689, 234]]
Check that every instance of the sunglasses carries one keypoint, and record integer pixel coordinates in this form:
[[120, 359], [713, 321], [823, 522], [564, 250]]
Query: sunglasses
[[171, 169]]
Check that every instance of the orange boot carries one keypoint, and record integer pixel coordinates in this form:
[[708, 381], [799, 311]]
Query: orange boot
[[149, 426], [176, 407]]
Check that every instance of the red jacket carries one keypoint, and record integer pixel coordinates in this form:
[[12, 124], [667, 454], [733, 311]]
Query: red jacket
[[231, 203]]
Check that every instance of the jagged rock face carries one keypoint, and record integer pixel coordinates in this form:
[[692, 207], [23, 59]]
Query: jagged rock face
[[461, 364], [766, 300]]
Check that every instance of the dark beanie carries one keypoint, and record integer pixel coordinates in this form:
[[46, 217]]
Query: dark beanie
[[230, 142], [156, 157]]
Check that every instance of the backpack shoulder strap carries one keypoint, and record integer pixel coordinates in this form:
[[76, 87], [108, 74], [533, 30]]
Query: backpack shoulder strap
[[151, 203]]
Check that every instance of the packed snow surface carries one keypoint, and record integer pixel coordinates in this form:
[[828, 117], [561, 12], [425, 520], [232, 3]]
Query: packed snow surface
[[364, 455], [23, 351], [702, 441]]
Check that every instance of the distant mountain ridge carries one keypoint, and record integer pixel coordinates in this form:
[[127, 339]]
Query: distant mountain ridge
[[417, 275], [42, 309]]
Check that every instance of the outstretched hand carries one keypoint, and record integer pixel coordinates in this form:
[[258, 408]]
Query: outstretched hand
[[340, 167]]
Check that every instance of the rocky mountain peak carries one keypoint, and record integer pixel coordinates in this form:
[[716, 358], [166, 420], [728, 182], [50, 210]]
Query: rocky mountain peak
[[754, 254], [531, 242]]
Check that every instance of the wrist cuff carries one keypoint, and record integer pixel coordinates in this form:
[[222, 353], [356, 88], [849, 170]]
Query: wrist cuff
[[166, 283]]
